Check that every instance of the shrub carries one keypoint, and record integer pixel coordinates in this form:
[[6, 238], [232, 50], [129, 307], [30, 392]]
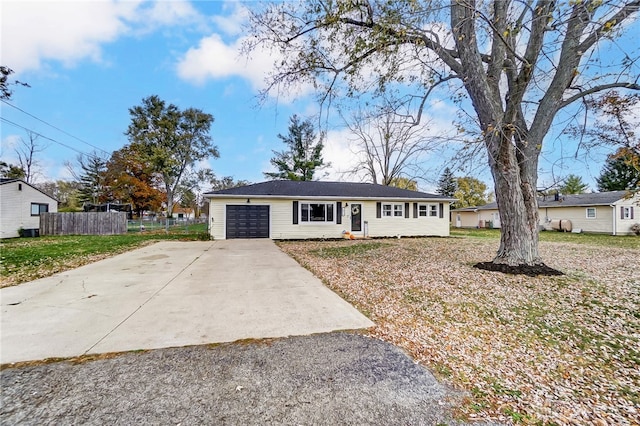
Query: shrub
[[636, 228]]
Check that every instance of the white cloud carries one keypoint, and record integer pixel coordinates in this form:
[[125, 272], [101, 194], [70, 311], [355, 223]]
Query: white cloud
[[216, 57], [234, 23], [70, 31]]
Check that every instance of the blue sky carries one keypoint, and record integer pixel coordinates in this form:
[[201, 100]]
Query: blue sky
[[89, 62]]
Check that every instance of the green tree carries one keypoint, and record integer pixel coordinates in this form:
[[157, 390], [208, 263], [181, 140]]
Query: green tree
[[447, 183], [11, 171], [573, 184], [5, 91], [514, 60], [91, 178], [303, 155], [620, 172], [66, 192], [470, 192], [171, 140]]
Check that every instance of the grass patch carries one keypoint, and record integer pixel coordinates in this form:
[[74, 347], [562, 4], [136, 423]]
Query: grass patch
[[350, 248], [26, 259], [604, 240]]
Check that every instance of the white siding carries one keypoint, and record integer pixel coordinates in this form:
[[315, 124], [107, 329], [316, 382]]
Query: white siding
[[602, 223], [470, 219], [607, 217], [623, 226], [15, 208], [282, 227]]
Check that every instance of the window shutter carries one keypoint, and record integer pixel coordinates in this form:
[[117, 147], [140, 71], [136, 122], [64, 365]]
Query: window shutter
[[621, 212], [406, 210], [631, 212], [295, 212], [378, 210], [415, 210], [441, 208], [338, 212]]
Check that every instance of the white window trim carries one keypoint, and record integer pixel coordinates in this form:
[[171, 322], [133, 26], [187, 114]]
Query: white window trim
[[309, 222], [428, 211], [393, 210], [627, 212], [595, 213]]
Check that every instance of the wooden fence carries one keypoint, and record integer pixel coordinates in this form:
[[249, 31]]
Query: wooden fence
[[92, 223]]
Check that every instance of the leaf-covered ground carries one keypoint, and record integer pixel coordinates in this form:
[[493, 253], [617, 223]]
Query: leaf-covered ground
[[532, 350]]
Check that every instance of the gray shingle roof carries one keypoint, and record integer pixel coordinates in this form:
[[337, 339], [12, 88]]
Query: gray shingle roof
[[288, 189], [576, 200]]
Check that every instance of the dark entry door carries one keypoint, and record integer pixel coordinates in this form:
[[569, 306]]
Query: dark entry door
[[356, 217], [247, 221]]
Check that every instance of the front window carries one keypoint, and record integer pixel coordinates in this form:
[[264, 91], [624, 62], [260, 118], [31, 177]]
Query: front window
[[316, 212], [433, 210], [626, 213], [423, 210], [37, 209], [591, 212], [393, 210]]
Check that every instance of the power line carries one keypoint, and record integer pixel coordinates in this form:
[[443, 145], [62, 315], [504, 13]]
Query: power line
[[51, 125], [45, 137]]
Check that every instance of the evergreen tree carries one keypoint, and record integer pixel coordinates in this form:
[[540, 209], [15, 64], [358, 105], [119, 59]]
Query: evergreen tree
[[447, 183], [619, 172], [92, 177], [573, 184], [11, 171], [303, 155]]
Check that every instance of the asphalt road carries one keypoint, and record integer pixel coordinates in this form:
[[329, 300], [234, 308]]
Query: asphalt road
[[335, 378]]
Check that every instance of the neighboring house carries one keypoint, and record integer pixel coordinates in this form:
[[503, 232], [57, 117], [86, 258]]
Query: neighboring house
[[601, 212], [21, 205], [183, 213], [299, 210]]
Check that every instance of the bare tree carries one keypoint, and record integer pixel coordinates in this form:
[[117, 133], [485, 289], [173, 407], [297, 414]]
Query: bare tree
[[27, 153], [389, 143], [517, 63]]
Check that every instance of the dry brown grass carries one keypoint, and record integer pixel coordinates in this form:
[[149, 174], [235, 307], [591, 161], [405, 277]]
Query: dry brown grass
[[541, 350]]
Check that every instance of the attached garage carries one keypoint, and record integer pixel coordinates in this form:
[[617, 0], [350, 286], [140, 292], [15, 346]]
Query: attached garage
[[247, 221]]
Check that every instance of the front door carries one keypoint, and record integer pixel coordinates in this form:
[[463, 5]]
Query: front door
[[356, 217]]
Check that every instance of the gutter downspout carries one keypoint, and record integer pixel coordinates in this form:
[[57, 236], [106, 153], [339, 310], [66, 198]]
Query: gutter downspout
[[614, 218]]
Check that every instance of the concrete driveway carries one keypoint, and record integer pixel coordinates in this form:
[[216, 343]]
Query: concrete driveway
[[169, 294]]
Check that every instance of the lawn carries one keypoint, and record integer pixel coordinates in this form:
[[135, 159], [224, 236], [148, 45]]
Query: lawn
[[541, 350], [26, 259]]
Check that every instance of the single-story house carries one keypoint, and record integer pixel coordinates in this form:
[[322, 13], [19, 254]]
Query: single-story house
[[284, 209], [612, 213], [183, 213], [20, 207]]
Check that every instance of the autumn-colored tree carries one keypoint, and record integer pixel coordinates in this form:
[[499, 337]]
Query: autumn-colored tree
[[404, 183], [470, 192], [130, 179]]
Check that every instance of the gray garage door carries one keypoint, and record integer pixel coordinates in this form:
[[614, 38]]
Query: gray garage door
[[247, 221]]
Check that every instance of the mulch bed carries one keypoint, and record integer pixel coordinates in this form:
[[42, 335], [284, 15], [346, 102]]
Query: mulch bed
[[528, 270]]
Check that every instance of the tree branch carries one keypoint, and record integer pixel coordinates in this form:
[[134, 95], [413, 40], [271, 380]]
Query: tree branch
[[600, 88]]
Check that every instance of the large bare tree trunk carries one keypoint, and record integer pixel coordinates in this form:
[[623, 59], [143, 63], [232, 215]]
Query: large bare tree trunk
[[515, 185]]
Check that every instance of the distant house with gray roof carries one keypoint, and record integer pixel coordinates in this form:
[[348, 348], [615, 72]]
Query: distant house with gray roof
[[612, 213], [313, 209]]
